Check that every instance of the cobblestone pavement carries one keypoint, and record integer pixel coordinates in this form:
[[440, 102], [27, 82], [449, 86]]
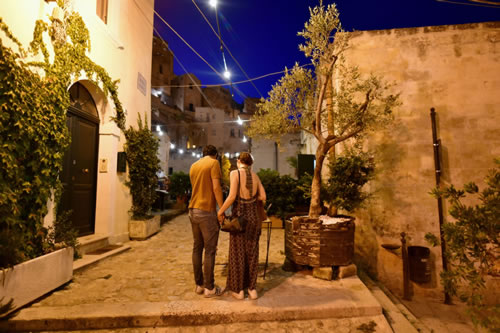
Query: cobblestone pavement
[[159, 269]]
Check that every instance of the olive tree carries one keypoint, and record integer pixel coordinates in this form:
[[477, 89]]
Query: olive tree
[[332, 101]]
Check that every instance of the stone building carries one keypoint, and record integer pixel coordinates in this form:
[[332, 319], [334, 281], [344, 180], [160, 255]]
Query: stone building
[[454, 69], [102, 202], [187, 116]]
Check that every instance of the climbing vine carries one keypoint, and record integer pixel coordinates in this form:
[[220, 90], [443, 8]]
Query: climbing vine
[[34, 98]]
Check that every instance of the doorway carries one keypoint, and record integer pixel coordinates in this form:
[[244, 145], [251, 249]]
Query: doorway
[[79, 176]]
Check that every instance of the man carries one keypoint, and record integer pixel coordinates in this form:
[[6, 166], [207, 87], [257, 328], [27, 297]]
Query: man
[[205, 175]]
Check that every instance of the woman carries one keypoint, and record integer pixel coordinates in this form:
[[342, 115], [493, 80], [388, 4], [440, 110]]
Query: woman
[[244, 247]]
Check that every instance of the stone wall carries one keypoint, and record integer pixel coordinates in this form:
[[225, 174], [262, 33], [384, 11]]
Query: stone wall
[[454, 69]]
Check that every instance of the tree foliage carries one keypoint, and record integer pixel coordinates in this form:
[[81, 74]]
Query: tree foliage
[[34, 98], [332, 102], [472, 245]]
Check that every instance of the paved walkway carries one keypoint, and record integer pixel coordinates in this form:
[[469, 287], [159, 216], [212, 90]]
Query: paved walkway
[[151, 285]]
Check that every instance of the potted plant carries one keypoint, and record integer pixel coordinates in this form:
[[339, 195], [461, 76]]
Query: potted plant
[[332, 103], [141, 149], [180, 188]]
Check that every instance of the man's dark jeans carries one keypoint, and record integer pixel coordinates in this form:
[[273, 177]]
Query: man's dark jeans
[[205, 236]]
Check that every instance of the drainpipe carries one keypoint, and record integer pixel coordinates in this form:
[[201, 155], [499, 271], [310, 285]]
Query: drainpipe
[[437, 165]]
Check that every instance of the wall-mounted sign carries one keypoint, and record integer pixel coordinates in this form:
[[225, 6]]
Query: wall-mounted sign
[[142, 84]]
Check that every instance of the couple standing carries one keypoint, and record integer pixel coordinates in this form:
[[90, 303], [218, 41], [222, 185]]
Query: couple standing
[[205, 175]]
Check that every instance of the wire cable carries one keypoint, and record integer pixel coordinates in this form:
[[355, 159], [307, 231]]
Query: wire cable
[[471, 4], [238, 82], [223, 44], [180, 63]]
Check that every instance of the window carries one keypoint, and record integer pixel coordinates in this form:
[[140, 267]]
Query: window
[[239, 133], [208, 118], [161, 69], [232, 132], [191, 107], [102, 10], [190, 86]]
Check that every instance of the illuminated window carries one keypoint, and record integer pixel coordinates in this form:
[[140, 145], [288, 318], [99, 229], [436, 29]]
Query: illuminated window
[[102, 10]]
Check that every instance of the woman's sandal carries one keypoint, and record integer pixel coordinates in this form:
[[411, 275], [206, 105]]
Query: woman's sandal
[[240, 295], [252, 294]]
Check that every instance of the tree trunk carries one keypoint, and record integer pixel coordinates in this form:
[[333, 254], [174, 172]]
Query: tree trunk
[[315, 208]]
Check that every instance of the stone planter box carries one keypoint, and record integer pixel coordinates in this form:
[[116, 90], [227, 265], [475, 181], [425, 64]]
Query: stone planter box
[[32, 279], [142, 229], [309, 242]]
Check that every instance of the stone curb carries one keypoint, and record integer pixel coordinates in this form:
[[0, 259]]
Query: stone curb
[[181, 313]]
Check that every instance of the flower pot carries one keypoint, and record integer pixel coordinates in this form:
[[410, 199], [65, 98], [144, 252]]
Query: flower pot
[[310, 242], [142, 229], [32, 279]]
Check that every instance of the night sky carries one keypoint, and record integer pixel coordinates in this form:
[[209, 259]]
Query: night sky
[[262, 35]]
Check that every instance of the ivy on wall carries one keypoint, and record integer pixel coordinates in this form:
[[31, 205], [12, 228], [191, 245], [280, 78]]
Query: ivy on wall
[[34, 98]]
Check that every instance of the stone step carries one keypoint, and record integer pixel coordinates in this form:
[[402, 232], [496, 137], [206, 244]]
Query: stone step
[[91, 243], [300, 297], [99, 254]]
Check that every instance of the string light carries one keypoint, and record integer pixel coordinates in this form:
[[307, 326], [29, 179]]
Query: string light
[[172, 146], [213, 3]]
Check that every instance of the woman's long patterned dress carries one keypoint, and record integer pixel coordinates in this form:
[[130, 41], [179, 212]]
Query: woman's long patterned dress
[[244, 249]]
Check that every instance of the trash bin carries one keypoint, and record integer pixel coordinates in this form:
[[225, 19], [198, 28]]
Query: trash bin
[[420, 270]]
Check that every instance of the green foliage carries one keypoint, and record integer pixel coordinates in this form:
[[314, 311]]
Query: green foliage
[[226, 169], [304, 99], [34, 98], [348, 175], [141, 149], [180, 184], [472, 245], [293, 162], [283, 192]]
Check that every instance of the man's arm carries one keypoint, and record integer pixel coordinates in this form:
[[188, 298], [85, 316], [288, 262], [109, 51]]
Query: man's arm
[[217, 191]]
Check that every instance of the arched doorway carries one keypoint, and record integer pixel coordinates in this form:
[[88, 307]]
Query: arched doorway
[[79, 176]]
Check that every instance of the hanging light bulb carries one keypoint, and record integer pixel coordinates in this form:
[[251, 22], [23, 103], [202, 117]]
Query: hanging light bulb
[[227, 155], [172, 146], [239, 121], [213, 3], [244, 139], [158, 129], [160, 133], [227, 74], [181, 151]]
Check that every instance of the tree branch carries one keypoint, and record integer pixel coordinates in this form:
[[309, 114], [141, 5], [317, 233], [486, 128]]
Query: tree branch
[[321, 97]]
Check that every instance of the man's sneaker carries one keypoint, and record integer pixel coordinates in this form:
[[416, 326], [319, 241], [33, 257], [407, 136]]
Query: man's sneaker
[[217, 291], [199, 290]]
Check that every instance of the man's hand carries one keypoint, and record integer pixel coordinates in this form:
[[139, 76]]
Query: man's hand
[[220, 217]]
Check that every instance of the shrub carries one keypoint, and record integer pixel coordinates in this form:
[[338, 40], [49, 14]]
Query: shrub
[[180, 184], [472, 245], [141, 149], [348, 175], [283, 192]]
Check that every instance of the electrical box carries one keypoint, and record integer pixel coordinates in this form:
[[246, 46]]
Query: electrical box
[[305, 163], [121, 166], [103, 165]]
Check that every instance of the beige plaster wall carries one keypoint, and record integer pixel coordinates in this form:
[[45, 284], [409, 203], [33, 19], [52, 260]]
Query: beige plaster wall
[[123, 47], [454, 69]]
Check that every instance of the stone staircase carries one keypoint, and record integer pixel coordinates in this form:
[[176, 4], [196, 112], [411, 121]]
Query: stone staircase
[[94, 248]]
